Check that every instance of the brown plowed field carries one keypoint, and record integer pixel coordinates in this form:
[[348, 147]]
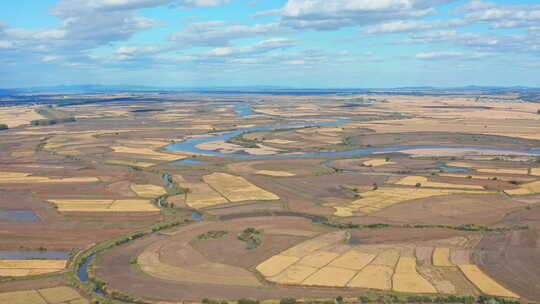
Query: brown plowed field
[[513, 259], [115, 268]]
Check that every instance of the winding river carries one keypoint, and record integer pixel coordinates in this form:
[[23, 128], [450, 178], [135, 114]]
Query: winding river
[[190, 145]]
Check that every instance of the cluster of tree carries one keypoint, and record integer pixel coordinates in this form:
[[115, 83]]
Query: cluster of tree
[[48, 122], [3, 127]]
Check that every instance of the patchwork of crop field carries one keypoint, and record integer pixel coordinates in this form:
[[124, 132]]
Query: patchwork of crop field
[[27, 178], [55, 295], [201, 195], [18, 116], [236, 188], [133, 163], [147, 153], [105, 205], [488, 177], [421, 181], [397, 222], [148, 191], [275, 173], [22, 268], [485, 168], [377, 162], [386, 196], [327, 261], [529, 188]]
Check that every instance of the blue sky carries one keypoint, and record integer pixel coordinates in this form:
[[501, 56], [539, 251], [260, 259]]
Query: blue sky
[[296, 43]]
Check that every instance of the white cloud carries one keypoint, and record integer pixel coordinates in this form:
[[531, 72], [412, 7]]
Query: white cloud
[[185, 4], [437, 55], [452, 55], [331, 15], [221, 33], [5, 44]]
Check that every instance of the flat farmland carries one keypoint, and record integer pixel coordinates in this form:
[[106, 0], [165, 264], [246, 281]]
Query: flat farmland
[[256, 217]]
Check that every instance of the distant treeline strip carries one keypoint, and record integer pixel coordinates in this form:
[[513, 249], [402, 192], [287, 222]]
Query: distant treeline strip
[[53, 116], [463, 227]]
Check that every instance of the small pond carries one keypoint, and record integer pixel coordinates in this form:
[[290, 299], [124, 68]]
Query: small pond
[[34, 255], [19, 216]]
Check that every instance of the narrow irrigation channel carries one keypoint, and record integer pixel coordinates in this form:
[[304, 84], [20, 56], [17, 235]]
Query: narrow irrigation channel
[[84, 262]]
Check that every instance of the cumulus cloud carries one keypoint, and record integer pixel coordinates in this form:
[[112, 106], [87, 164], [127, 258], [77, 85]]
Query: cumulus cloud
[[221, 33], [257, 48], [444, 55], [331, 15], [185, 4]]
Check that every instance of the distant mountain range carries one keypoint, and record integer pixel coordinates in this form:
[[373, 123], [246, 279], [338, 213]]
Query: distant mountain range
[[96, 88]]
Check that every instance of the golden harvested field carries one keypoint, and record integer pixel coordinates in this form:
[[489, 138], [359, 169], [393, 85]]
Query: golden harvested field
[[487, 177], [54, 295], [18, 116], [201, 195], [377, 162], [487, 169], [294, 274], [441, 257], [525, 189], [147, 153], [407, 279], [237, 189], [353, 260], [275, 173], [22, 297], [387, 258], [318, 259], [535, 171], [21, 268], [522, 171], [486, 284], [330, 276], [276, 264], [382, 266], [24, 178], [374, 277], [424, 182], [488, 126], [383, 197], [131, 163], [88, 205], [148, 191]]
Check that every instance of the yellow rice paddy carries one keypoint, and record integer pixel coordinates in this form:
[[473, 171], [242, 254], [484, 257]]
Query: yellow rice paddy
[[148, 191], [486, 284], [23, 178], [384, 197], [147, 153], [88, 205], [424, 182], [377, 162], [382, 267], [407, 279], [236, 188], [275, 173], [21, 268], [525, 189], [201, 195], [441, 257], [54, 295]]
